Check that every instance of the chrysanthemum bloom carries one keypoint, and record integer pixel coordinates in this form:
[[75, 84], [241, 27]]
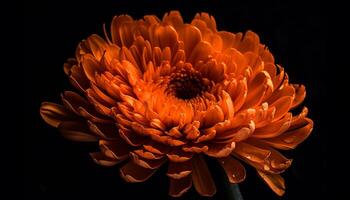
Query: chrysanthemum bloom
[[163, 92]]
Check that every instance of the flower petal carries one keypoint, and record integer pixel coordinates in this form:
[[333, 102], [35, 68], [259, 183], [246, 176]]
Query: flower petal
[[131, 137], [156, 148], [179, 170], [282, 106], [209, 20], [117, 149], [220, 150], [212, 116], [234, 135], [133, 173], [179, 186], [104, 131], [274, 181], [54, 114], [178, 155], [291, 138], [201, 51], [201, 177], [257, 89], [190, 36], [249, 152], [103, 160], [234, 169], [91, 66], [147, 154], [275, 128], [120, 30], [76, 131], [97, 46], [300, 94], [173, 18], [73, 101], [146, 163]]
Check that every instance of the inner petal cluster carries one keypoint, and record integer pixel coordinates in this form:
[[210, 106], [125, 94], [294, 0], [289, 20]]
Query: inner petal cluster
[[187, 83]]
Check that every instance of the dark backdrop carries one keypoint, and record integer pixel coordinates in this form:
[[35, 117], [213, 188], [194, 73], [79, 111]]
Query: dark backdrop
[[58, 169]]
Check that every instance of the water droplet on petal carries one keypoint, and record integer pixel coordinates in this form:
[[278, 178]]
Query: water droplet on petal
[[266, 167]]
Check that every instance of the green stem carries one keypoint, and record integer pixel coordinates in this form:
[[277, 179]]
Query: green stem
[[234, 192]]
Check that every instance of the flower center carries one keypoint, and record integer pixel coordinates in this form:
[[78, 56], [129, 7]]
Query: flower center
[[187, 83]]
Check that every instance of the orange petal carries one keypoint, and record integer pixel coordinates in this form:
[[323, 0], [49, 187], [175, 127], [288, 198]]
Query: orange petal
[[235, 135], [286, 90], [191, 130], [179, 186], [274, 181], [257, 89], [228, 39], [209, 20], [201, 177], [212, 116], [300, 94], [275, 163], [179, 170], [157, 148], [220, 150], [67, 66], [133, 173], [76, 75], [120, 30], [97, 46], [275, 128], [178, 155], [201, 51], [163, 36], [91, 66], [250, 42], [282, 106], [291, 138], [240, 95], [76, 131], [249, 152], [254, 62], [266, 55], [138, 128], [227, 105], [233, 168], [103, 97], [54, 114], [103, 160], [94, 116], [195, 148], [104, 131], [147, 154], [117, 149], [190, 36], [174, 132], [156, 123], [208, 135], [173, 18], [100, 108], [299, 120], [73, 101], [145, 163], [131, 137]]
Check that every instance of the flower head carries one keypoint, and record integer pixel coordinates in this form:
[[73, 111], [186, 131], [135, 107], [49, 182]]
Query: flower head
[[163, 92]]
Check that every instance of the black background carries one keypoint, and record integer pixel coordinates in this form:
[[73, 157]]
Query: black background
[[54, 168]]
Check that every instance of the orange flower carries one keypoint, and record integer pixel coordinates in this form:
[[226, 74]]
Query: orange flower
[[164, 92]]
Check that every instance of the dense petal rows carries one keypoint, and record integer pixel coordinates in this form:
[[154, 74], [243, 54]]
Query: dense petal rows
[[157, 92]]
